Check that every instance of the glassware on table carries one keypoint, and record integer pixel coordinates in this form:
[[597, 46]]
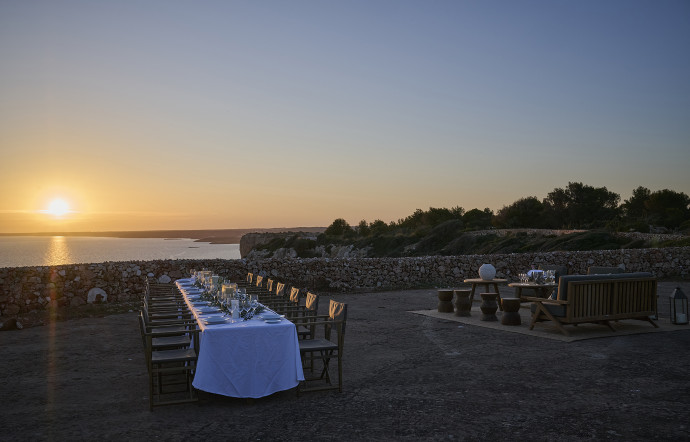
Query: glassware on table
[[235, 309]]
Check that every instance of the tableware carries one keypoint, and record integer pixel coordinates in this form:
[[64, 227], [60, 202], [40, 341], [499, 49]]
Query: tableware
[[208, 309], [211, 321], [273, 321], [235, 309]]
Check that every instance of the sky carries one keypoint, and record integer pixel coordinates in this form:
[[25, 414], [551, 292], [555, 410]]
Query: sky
[[148, 115]]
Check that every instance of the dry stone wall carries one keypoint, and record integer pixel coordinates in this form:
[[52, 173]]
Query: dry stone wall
[[398, 273], [24, 289]]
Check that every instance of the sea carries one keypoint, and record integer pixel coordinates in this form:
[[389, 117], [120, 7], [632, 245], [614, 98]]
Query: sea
[[20, 251]]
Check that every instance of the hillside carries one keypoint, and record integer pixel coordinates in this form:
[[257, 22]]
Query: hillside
[[449, 238]]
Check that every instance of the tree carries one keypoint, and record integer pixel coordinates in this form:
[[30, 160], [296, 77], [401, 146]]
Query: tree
[[433, 217], [478, 219], [634, 209], [363, 228], [668, 208], [525, 212], [339, 227], [378, 227], [581, 206]]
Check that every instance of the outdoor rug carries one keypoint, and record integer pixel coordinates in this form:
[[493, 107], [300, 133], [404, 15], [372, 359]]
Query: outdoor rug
[[548, 331]]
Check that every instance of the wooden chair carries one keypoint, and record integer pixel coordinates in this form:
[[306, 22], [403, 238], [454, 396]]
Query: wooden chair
[[274, 296], [304, 313], [161, 319], [168, 370], [165, 337], [287, 306], [324, 349]]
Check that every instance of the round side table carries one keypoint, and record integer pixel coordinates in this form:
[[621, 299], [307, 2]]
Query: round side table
[[445, 301], [489, 307], [463, 304], [511, 308]]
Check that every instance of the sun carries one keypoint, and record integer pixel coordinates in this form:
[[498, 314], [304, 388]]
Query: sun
[[58, 207]]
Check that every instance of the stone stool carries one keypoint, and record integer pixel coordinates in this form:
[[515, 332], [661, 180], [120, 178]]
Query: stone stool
[[463, 305], [511, 308], [489, 307], [445, 301]]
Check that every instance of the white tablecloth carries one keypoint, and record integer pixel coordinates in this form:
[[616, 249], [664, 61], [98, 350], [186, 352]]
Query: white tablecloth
[[247, 359]]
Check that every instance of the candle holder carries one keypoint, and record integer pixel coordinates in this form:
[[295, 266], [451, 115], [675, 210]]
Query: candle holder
[[679, 307]]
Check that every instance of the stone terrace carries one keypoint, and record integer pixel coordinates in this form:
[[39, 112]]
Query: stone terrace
[[407, 377]]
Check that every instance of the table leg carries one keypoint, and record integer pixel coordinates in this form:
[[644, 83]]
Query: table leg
[[474, 287], [498, 296]]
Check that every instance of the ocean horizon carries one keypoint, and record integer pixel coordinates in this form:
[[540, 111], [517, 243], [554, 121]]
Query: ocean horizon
[[23, 251]]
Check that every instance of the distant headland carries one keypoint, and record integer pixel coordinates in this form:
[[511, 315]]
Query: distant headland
[[213, 236]]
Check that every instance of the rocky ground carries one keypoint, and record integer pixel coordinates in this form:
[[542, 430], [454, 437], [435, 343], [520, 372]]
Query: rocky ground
[[407, 377]]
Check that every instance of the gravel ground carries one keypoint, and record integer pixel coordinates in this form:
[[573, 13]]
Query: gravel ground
[[406, 377]]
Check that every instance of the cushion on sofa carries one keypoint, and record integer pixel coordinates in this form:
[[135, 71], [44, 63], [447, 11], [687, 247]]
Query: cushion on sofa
[[556, 310]]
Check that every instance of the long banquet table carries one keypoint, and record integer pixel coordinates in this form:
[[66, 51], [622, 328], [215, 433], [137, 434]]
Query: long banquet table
[[245, 359]]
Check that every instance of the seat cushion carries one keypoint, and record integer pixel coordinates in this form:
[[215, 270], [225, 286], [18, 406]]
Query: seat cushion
[[171, 341], [316, 345], [162, 356]]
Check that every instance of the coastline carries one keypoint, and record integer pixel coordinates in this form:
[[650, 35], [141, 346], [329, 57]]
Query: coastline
[[213, 236]]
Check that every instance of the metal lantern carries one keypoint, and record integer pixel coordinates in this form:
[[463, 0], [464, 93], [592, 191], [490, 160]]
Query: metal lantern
[[679, 307]]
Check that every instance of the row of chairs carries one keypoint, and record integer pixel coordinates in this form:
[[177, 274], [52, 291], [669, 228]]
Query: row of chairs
[[321, 337], [170, 338]]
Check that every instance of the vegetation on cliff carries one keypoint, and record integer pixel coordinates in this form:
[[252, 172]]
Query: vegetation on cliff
[[527, 225]]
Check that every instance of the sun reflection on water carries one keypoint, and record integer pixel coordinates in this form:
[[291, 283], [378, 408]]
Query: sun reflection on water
[[58, 252]]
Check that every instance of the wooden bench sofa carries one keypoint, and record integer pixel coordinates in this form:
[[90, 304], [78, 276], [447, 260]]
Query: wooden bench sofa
[[598, 299]]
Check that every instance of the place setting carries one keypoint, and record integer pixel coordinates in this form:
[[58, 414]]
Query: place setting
[[216, 319]]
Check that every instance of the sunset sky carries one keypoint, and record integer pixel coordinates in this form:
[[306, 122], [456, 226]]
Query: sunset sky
[[144, 115]]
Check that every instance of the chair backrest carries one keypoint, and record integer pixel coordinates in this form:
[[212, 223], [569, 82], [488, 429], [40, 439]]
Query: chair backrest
[[259, 280], [597, 270], [162, 289], [337, 311], [269, 285], [312, 302], [280, 289], [250, 278], [294, 295]]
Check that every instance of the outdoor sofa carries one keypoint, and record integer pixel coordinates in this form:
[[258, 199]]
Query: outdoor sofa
[[599, 299]]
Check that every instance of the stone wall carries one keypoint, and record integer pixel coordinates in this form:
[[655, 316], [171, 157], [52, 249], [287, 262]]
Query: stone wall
[[24, 289], [399, 273]]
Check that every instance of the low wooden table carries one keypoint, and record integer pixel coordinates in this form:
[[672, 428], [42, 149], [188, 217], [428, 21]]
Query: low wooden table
[[488, 285], [540, 290]]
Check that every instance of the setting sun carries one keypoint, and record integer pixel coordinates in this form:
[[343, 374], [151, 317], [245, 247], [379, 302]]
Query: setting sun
[[58, 207]]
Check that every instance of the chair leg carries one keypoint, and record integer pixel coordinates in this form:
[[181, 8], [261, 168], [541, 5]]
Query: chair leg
[[340, 372], [150, 390], [326, 359]]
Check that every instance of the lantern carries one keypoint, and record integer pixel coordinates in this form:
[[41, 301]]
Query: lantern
[[679, 307]]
